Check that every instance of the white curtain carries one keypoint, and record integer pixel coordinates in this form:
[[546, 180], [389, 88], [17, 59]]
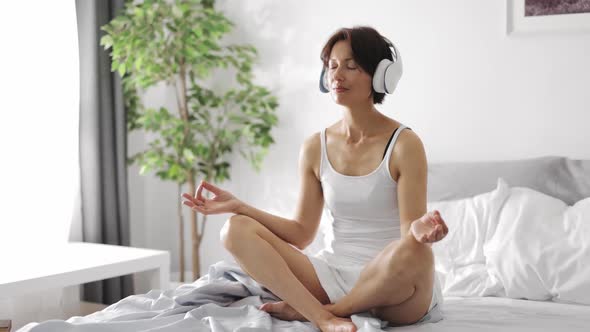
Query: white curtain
[[39, 105]]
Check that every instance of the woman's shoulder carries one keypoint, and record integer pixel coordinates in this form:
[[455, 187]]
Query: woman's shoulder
[[312, 143], [408, 150], [408, 139], [310, 153]]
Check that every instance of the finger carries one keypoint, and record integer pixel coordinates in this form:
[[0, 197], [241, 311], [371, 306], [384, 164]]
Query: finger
[[432, 237], [200, 209], [437, 220], [198, 194], [429, 219], [441, 222], [200, 201], [442, 232], [443, 226], [433, 215], [436, 217], [188, 197], [211, 187], [439, 235], [191, 203]]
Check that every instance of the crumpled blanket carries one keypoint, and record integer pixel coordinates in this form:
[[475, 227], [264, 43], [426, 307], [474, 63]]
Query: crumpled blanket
[[225, 299]]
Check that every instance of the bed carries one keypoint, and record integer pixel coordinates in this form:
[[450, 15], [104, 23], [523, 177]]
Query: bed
[[515, 259], [507, 315]]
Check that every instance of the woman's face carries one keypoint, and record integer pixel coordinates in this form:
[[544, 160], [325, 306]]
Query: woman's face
[[349, 83]]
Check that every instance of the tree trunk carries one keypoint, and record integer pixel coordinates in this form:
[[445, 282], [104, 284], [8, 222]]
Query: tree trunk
[[181, 234], [183, 109], [195, 236]]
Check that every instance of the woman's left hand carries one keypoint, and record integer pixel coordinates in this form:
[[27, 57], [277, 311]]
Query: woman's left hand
[[429, 228]]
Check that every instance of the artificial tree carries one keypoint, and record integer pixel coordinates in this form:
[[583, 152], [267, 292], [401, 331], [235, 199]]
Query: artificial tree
[[180, 43]]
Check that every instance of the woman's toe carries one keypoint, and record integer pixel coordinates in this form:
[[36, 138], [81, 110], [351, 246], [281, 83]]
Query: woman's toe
[[267, 307]]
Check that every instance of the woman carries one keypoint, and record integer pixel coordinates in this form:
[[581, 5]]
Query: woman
[[372, 175]]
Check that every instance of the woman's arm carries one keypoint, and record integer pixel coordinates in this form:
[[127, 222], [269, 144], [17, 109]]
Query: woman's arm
[[411, 161], [301, 230]]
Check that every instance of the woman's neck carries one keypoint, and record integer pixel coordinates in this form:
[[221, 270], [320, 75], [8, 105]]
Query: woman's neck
[[359, 123]]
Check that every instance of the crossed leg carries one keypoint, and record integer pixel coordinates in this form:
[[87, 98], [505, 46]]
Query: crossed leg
[[395, 286], [283, 269]]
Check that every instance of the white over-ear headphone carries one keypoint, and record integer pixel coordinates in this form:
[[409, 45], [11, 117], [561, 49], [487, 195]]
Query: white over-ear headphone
[[386, 77]]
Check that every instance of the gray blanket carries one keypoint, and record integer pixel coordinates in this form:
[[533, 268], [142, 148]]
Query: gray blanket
[[226, 299]]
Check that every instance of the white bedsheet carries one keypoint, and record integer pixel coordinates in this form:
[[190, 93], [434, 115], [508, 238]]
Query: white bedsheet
[[227, 299], [505, 314], [224, 300]]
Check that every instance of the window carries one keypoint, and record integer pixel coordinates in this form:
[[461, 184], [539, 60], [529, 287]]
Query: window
[[39, 89]]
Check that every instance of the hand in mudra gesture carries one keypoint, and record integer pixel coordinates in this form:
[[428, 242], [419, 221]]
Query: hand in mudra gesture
[[222, 202], [429, 228]]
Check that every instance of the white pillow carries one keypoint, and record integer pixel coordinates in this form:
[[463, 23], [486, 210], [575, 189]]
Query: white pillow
[[515, 242], [459, 257], [541, 248]]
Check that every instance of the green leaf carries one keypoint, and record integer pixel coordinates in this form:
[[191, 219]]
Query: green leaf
[[122, 69], [138, 12], [107, 41], [144, 169], [138, 63], [114, 65], [188, 154], [174, 171]]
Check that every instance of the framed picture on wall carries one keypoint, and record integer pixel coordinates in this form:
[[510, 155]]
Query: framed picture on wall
[[547, 16]]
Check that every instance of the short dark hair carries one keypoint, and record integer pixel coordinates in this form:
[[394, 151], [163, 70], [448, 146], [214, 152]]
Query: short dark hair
[[368, 48]]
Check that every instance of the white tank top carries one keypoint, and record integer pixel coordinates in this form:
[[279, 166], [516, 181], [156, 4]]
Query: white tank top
[[363, 210]]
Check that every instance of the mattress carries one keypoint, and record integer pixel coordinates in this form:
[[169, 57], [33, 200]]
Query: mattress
[[507, 315]]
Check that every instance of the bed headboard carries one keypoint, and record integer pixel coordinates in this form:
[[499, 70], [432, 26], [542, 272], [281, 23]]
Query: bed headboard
[[560, 177]]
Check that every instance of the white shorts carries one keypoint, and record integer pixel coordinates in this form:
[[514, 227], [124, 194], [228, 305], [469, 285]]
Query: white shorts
[[338, 281]]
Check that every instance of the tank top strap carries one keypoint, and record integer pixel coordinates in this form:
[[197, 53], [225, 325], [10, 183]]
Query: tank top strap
[[323, 151], [392, 143]]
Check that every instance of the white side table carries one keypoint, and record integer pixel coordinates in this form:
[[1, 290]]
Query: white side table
[[76, 263]]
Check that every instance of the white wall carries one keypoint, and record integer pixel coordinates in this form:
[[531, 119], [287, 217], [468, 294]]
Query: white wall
[[469, 91]]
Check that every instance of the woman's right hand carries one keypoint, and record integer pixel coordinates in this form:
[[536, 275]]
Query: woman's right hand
[[222, 202]]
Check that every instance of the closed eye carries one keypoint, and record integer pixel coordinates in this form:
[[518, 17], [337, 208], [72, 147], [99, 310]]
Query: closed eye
[[352, 68]]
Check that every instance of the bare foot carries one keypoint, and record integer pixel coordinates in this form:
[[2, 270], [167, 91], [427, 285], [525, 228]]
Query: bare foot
[[282, 310], [331, 307], [429, 228], [337, 324]]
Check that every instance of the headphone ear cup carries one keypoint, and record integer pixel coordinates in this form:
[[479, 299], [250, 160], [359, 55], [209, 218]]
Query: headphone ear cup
[[379, 76], [393, 73], [323, 81]]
